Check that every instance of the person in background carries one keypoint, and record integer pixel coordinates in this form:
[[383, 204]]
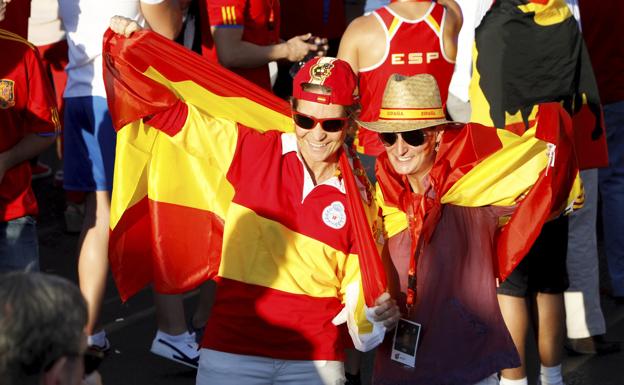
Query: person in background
[[244, 36], [89, 154], [45, 30], [382, 43], [599, 20], [326, 20], [42, 339], [585, 323], [29, 123], [543, 71], [458, 102]]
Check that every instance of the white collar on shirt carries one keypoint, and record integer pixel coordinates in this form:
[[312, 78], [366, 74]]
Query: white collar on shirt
[[289, 144]]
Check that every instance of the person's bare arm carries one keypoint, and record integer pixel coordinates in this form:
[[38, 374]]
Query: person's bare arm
[[164, 18], [363, 43], [452, 26], [348, 49], [232, 51], [27, 148]]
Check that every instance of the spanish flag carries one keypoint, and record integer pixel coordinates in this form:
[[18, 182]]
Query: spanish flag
[[534, 174], [170, 196], [529, 52]]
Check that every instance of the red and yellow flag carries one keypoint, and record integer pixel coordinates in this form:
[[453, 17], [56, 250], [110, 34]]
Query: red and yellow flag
[[529, 52], [535, 173], [170, 195]]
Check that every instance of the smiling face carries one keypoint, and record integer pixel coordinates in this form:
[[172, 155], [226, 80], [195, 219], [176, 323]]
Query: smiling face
[[317, 146], [412, 160]]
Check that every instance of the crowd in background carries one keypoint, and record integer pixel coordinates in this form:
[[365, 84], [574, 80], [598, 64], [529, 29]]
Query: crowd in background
[[52, 93]]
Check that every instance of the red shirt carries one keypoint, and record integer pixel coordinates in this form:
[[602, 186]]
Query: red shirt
[[324, 18], [414, 47], [258, 313], [289, 259], [26, 106], [603, 30], [260, 20]]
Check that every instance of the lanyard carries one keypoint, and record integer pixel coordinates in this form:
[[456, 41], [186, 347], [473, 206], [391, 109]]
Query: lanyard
[[416, 215]]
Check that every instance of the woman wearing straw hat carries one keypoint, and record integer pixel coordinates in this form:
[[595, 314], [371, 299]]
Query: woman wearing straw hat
[[438, 265], [447, 194]]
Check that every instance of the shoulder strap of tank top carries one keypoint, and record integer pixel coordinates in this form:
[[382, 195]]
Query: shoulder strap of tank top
[[436, 17], [385, 17]]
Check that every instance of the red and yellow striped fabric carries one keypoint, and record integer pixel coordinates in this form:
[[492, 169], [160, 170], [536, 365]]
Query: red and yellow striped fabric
[[169, 197], [536, 171], [173, 190], [529, 52], [290, 257]]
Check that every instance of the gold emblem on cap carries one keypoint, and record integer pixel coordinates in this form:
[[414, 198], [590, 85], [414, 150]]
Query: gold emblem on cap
[[321, 71]]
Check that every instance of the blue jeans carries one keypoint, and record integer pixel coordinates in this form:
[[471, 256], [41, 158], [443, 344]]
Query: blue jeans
[[584, 316], [19, 248], [611, 184], [223, 368]]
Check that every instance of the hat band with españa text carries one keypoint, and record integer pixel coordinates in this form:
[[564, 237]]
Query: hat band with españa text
[[411, 113], [334, 74]]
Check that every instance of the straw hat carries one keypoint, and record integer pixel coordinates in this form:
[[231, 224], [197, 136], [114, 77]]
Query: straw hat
[[409, 103]]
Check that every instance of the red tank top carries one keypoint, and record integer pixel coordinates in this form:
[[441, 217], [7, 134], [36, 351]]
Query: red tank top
[[412, 47]]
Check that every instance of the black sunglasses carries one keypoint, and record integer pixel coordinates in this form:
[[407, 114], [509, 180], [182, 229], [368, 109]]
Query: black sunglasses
[[327, 124], [413, 138]]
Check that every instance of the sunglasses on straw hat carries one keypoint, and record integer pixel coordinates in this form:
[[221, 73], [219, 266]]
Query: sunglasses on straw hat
[[409, 103]]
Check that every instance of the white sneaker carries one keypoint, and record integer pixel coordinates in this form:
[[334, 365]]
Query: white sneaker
[[102, 348], [99, 342], [184, 350]]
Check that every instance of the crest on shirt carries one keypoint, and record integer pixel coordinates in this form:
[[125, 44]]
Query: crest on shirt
[[334, 215], [321, 71], [7, 93]]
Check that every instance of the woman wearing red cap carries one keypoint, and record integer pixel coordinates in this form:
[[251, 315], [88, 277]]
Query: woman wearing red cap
[[289, 272]]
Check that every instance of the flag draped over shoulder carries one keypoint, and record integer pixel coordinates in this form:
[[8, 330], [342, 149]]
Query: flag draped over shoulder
[[169, 196], [529, 52], [534, 172]]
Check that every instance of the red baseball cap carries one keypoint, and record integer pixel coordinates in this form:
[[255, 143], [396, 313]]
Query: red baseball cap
[[332, 73]]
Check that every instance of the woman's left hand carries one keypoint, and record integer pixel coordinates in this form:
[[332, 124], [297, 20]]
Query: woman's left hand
[[386, 311]]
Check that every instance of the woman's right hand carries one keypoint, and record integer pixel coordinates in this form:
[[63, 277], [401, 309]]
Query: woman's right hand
[[124, 26]]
